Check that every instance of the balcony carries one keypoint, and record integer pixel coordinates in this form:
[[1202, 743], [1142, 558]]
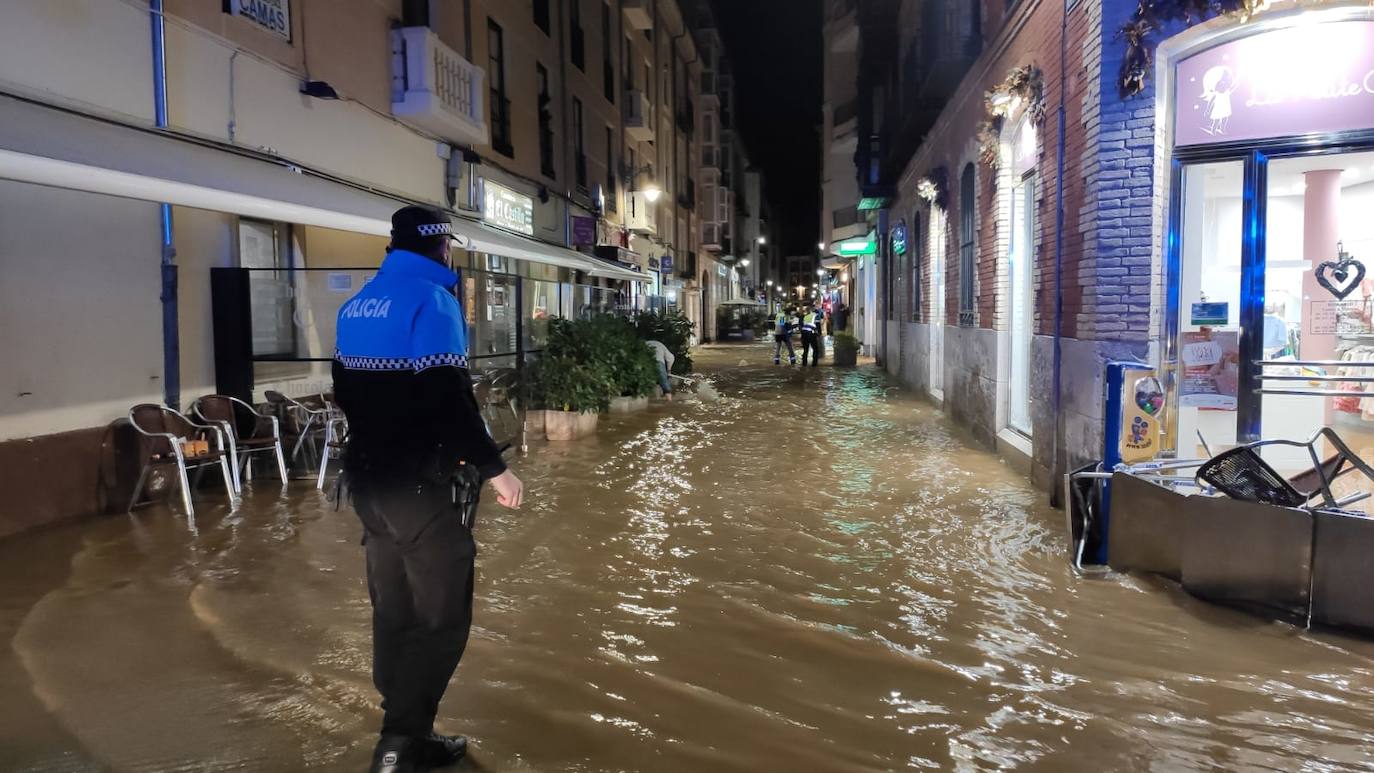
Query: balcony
[[641, 215], [639, 122], [712, 236], [639, 14], [710, 159], [435, 89]]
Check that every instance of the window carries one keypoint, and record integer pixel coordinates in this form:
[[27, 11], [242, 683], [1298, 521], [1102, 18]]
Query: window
[[967, 313], [915, 249], [627, 77], [541, 16], [579, 149], [579, 42], [607, 58], [545, 123], [500, 105], [611, 193], [265, 247]]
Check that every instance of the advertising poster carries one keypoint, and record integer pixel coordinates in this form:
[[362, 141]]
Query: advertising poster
[[1142, 404], [1211, 369]]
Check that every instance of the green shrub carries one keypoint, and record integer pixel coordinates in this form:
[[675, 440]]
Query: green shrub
[[672, 329], [846, 343], [560, 383], [607, 344]]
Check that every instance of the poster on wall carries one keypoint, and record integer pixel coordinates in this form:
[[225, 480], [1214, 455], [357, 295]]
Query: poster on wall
[[1211, 369]]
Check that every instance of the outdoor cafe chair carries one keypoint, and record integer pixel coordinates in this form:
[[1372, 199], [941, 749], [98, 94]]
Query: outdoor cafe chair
[[168, 438], [335, 437], [306, 421], [247, 432], [1241, 473]]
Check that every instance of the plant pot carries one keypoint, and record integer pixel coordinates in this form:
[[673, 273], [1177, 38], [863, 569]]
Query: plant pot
[[629, 404], [568, 425], [534, 423], [846, 358]]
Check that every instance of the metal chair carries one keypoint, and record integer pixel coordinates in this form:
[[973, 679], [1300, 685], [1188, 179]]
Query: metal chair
[[165, 441], [307, 423], [247, 431], [1241, 473], [335, 436]]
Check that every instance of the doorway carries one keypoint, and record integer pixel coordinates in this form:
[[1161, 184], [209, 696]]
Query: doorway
[[939, 232]]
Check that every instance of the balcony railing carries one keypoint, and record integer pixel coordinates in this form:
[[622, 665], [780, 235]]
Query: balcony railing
[[435, 89]]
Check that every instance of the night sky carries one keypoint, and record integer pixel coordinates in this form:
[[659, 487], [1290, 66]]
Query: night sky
[[776, 49]]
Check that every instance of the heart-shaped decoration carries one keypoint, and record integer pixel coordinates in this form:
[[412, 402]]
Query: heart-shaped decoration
[[1347, 273]]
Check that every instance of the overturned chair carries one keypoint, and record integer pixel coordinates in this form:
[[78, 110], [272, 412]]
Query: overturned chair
[[167, 439], [247, 431]]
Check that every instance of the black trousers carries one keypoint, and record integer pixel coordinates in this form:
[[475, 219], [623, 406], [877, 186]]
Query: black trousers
[[811, 342], [419, 576]]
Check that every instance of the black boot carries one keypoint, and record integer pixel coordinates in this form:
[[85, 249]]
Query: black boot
[[442, 750], [394, 754]]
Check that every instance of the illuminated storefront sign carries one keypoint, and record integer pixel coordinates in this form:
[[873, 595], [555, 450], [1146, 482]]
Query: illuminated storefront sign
[[1311, 78], [899, 238], [858, 247], [272, 15], [507, 209]]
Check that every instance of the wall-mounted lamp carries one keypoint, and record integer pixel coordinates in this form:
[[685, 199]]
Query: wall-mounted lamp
[[319, 90]]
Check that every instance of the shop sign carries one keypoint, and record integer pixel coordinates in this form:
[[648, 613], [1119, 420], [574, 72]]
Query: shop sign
[[504, 208], [665, 264], [1211, 369], [1312, 78], [272, 15], [653, 264], [899, 238], [584, 231], [1211, 313], [720, 270], [858, 247]]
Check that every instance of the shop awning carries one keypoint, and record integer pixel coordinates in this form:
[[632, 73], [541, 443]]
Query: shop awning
[[485, 238], [64, 149]]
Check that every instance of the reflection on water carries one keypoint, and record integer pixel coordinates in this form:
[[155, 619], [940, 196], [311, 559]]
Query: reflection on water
[[811, 572]]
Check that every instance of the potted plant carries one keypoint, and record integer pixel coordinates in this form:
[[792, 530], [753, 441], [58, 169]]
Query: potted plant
[[573, 394], [629, 361], [846, 350]]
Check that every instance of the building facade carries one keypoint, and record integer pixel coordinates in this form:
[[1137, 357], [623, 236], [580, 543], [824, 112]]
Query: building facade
[[1046, 195], [274, 139]]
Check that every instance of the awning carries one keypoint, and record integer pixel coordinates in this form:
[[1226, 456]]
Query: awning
[[64, 149], [835, 262], [484, 238]]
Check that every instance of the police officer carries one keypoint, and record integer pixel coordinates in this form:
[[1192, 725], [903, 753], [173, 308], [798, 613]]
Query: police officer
[[811, 337], [401, 377], [782, 334]]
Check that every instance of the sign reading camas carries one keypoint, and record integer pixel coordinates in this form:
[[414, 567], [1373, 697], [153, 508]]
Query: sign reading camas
[[272, 15], [1314, 78]]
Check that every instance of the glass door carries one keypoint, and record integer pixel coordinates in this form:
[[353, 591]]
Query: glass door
[[1204, 373], [939, 226], [1019, 264]]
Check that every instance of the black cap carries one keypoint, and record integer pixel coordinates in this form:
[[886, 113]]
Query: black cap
[[413, 226]]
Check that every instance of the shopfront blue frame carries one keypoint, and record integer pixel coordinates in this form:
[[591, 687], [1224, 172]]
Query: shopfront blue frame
[[1256, 156]]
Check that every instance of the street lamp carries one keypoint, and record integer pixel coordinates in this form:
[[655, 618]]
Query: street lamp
[[769, 283], [821, 245], [652, 193], [744, 263], [763, 240]]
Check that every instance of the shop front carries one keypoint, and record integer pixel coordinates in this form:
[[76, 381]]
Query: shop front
[[1268, 307], [1265, 338]]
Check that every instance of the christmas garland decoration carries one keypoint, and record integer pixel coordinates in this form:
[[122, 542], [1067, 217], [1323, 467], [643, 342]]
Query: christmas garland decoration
[[1023, 84], [934, 187], [1152, 16]]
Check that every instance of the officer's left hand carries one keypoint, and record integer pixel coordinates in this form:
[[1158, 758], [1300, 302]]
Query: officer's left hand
[[510, 492]]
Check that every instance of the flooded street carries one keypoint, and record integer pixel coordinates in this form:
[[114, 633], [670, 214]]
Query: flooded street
[[814, 572]]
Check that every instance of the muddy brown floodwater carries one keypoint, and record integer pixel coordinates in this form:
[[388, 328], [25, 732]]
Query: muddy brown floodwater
[[814, 572]]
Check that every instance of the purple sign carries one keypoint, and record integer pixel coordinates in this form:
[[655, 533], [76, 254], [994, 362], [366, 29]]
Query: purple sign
[[1314, 78], [584, 231], [665, 264]]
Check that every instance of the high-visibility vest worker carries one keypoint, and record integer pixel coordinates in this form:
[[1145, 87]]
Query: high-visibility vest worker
[[809, 323], [782, 328]]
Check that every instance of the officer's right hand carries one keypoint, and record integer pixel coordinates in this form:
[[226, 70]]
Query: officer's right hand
[[510, 492]]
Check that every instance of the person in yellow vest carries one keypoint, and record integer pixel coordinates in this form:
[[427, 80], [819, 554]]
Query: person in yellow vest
[[811, 336], [782, 334]]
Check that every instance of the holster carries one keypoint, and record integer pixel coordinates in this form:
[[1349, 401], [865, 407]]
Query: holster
[[466, 485]]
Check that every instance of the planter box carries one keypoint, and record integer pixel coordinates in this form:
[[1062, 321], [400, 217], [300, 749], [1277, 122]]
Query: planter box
[[534, 424], [848, 358], [629, 404], [566, 425]]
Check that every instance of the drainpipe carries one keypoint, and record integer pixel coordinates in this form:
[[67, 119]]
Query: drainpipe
[[1058, 467], [171, 336]]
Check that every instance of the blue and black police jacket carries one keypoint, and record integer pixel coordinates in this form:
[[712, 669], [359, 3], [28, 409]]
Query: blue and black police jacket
[[401, 377]]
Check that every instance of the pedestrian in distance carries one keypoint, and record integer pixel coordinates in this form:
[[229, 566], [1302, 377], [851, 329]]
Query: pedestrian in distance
[[417, 455], [664, 359], [811, 336], [782, 336], [841, 320]]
